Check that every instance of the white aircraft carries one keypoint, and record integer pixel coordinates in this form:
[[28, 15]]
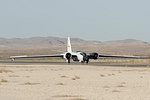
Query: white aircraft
[[76, 56]]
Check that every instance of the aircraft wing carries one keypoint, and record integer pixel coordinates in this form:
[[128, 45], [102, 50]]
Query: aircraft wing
[[122, 56], [36, 56]]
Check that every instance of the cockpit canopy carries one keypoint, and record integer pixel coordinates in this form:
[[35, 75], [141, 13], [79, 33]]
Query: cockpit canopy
[[81, 53], [78, 51]]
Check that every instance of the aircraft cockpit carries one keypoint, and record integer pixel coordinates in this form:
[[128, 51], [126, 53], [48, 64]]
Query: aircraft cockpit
[[78, 51], [81, 53]]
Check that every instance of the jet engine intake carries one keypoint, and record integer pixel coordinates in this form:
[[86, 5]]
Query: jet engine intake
[[93, 55], [68, 56]]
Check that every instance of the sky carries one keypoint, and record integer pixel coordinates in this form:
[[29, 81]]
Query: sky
[[99, 20]]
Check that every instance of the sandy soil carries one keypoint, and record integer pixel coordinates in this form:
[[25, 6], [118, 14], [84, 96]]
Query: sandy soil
[[73, 82]]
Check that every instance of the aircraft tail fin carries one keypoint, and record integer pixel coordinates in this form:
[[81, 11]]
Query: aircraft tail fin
[[69, 49]]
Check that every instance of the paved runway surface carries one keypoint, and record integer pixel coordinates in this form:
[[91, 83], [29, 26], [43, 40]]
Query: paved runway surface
[[117, 64]]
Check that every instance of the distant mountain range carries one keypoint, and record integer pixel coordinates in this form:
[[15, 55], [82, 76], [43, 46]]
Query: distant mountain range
[[43, 41], [39, 45], [59, 41]]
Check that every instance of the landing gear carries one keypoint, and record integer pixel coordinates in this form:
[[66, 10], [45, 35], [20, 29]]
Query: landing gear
[[68, 56], [85, 61], [69, 61]]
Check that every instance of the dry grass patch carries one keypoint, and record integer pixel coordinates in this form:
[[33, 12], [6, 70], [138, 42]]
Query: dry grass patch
[[60, 84], [75, 78], [102, 75], [13, 75], [70, 97], [111, 74], [65, 96], [29, 83], [123, 83], [115, 91], [4, 70], [64, 76], [3, 81], [120, 86], [77, 99]]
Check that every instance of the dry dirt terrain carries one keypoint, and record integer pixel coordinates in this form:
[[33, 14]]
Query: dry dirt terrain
[[73, 82]]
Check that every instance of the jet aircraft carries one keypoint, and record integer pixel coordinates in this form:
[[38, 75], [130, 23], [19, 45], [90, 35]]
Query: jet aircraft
[[76, 56]]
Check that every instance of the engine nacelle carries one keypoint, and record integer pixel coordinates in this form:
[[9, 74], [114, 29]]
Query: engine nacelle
[[93, 55], [67, 56]]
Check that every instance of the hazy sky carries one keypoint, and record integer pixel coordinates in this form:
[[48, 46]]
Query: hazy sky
[[100, 20]]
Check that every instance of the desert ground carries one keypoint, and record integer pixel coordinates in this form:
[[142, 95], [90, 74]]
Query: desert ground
[[34, 81], [73, 82]]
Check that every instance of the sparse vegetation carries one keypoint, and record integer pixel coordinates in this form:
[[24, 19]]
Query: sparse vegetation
[[65, 96], [64, 76], [4, 70], [102, 75], [13, 75], [123, 83], [70, 97], [75, 78], [77, 99], [115, 91], [120, 86], [29, 83], [60, 84], [3, 81], [112, 74]]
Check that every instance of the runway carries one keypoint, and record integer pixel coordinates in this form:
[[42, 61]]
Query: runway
[[114, 64]]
